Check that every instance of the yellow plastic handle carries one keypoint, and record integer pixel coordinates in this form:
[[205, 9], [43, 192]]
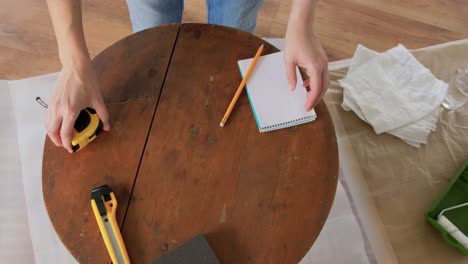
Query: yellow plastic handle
[[111, 208]]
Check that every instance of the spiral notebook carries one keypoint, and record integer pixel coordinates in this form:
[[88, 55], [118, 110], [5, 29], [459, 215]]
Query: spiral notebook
[[273, 104]]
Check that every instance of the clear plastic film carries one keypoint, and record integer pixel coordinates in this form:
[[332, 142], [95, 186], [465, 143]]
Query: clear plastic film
[[402, 181]]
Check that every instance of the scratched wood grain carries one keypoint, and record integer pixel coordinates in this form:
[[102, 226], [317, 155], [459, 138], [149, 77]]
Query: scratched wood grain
[[131, 74], [257, 197]]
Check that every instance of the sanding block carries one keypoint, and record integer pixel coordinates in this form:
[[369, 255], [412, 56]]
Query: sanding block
[[196, 250]]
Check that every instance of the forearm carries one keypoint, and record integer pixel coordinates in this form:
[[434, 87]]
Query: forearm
[[68, 27], [303, 49], [302, 14]]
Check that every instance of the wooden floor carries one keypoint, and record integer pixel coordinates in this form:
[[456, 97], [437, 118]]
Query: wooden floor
[[28, 48]]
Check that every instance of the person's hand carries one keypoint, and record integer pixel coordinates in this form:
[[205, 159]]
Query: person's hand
[[303, 49], [76, 88]]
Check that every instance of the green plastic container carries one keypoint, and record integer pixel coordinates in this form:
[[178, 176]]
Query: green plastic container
[[454, 194]]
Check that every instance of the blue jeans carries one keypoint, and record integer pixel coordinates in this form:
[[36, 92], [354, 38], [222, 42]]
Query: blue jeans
[[241, 14]]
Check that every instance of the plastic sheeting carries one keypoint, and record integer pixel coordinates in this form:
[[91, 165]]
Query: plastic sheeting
[[15, 242], [403, 182]]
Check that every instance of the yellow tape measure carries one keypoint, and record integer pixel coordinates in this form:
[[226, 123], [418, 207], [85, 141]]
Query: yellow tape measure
[[104, 206], [86, 128]]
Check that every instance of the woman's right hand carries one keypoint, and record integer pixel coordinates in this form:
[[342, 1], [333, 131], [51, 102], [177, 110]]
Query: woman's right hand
[[76, 88]]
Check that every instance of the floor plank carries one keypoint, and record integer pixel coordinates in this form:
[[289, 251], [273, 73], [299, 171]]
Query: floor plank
[[27, 41]]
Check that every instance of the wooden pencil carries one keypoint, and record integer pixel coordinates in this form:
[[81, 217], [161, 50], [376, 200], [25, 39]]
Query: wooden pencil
[[241, 87]]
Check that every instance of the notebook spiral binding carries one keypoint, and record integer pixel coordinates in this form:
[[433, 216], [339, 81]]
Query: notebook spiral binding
[[298, 121]]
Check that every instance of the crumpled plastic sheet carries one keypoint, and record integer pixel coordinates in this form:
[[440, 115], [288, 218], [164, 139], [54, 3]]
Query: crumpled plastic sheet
[[404, 182]]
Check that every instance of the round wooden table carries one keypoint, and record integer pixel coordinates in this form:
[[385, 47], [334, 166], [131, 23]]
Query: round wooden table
[[257, 197]]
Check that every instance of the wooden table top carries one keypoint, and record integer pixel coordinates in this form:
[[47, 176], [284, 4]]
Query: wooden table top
[[257, 197]]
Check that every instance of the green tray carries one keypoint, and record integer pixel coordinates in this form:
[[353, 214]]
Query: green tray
[[454, 194]]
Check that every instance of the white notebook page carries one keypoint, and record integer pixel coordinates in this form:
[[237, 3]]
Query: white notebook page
[[274, 105]]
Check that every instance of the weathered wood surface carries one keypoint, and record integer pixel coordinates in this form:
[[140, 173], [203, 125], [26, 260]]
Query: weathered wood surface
[[131, 73], [257, 197]]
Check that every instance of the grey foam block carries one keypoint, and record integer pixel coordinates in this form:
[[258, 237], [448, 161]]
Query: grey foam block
[[195, 251]]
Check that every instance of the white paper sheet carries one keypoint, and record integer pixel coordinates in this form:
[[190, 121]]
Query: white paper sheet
[[273, 104], [30, 120], [15, 241], [341, 239]]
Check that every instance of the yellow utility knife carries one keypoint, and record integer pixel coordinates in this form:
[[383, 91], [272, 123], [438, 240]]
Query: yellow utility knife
[[104, 206]]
